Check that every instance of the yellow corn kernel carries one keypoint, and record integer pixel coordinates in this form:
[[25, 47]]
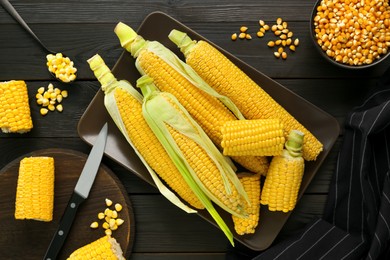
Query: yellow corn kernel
[[103, 248], [108, 232], [251, 183], [43, 111], [257, 137], [108, 202], [94, 224], [119, 221], [59, 108], [227, 79], [106, 225], [15, 115], [144, 139], [118, 207], [114, 214], [284, 177], [35, 189], [101, 215], [64, 94]]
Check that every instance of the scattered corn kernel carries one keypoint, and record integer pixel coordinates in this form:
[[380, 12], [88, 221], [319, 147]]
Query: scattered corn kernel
[[94, 224], [108, 232], [64, 94], [119, 221], [41, 90], [260, 34], [59, 108], [108, 202], [114, 214], [243, 29], [284, 55], [248, 36], [271, 44], [234, 36], [101, 215], [242, 35], [277, 54], [43, 111], [106, 225], [118, 207]]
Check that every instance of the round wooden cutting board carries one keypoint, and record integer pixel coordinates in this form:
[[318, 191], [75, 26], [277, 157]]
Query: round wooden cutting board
[[29, 239]]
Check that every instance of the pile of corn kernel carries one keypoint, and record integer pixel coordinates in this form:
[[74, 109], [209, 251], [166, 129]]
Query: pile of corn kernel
[[62, 67], [110, 217], [353, 32], [50, 99], [280, 29]]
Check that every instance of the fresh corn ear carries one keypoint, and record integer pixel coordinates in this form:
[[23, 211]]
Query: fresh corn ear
[[281, 186], [227, 79], [208, 172], [35, 189], [106, 248], [257, 137], [15, 115], [251, 183], [174, 76], [124, 104]]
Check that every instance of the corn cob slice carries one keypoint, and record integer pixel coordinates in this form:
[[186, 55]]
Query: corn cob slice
[[281, 186], [170, 74], [106, 248], [251, 183], [123, 103], [15, 115], [257, 137], [35, 189], [227, 79]]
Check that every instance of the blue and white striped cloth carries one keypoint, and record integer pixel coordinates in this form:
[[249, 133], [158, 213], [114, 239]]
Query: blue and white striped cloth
[[356, 220]]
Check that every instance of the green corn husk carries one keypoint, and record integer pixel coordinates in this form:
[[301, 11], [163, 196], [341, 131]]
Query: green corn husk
[[158, 112], [135, 43], [108, 84]]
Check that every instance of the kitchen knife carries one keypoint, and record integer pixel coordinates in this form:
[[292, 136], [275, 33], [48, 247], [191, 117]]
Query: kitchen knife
[[80, 193]]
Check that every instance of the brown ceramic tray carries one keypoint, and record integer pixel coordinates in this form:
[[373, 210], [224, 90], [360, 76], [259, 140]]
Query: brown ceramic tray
[[29, 239], [157, 26]]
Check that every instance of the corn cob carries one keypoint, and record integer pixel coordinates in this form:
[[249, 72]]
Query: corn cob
[[193, 152], [257, 137], [170, 74], [15, 116], [251, 183], [104, 248], [123, 103], [281, 186], [35, 189], [227, 79]]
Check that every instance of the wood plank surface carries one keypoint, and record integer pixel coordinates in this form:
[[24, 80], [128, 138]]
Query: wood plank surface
[[83, 28]]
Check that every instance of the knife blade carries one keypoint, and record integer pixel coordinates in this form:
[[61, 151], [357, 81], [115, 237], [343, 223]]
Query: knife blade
[[79, 195]]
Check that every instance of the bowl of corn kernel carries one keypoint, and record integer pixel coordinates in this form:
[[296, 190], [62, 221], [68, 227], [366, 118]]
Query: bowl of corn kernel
[[352, 33]]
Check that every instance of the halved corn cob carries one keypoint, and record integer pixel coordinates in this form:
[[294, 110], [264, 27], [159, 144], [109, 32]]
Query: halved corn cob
[[104, 248], [35, 189], [172, 75], [192, 151], [281, 186], [251, 183], [257, 137], [227, 79], [123, 103], [15, 115]]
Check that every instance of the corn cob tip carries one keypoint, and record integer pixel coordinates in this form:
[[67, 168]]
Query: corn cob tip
[[101, 71], [182, 40]]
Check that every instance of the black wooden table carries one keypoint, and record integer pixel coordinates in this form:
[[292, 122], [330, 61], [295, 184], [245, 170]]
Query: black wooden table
[[84, 28]]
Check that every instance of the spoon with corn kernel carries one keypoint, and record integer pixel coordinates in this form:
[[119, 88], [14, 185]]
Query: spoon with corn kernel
[[58, 64]]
